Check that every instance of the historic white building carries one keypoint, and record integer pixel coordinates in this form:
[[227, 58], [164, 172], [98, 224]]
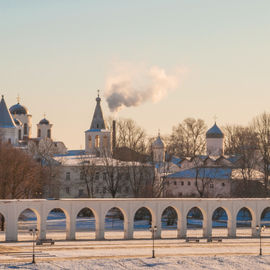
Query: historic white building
[[16, 128]]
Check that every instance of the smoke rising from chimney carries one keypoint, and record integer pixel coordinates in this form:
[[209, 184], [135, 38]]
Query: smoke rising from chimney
[[131, 86]]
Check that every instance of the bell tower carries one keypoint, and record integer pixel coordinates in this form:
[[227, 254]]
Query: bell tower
[[98, 138]]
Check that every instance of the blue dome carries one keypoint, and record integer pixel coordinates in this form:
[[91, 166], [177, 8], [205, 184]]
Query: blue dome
[[214, 132], [18, 109], [44, 121]]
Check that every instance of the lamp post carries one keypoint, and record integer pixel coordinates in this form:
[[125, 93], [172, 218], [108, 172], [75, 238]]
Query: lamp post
[[153, 230], [34, 233], [260, 229]]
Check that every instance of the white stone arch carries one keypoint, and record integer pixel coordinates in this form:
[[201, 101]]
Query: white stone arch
[[124, 213], [77, 211], [253, 218], [178, 213], [222, 232], [205, 222], [154, 221], [67, 215], [3, 225], [36, 212]]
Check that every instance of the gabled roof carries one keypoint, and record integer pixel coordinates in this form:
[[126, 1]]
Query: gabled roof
[[6, 120], [214, 132], [98, 120], [205, 172]]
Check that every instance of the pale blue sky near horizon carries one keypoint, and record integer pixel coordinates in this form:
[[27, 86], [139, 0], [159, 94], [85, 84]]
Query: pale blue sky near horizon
[[56, 54]]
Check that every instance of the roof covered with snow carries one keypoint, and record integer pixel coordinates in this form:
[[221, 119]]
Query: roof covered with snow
[[206, 172]]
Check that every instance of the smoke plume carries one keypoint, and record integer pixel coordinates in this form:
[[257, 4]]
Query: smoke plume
[[128, 86]]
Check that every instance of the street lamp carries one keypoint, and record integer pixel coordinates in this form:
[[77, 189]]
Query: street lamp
[[34, 233], [153, 229], [260, 229]]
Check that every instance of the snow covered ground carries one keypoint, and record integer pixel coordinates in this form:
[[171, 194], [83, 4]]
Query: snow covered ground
[[136, 254]]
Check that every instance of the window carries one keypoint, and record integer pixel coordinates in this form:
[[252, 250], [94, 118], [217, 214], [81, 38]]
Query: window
[[80, 192], [180, 194], [20, 134], [9, 141], [182, 183], [25, 129], [211, 185], [188, 183], [67, 175], [67, 190], [39, 133], [175, 183], [97, 176], [223, 184], [49, 133]]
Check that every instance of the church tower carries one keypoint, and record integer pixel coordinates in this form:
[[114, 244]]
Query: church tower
[[8, 129], [214, 141], [44, 129], [98, 138], [158, 150], [21, 113]]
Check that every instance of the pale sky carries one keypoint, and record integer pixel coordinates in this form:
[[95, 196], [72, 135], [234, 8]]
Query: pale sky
[[56, 54]]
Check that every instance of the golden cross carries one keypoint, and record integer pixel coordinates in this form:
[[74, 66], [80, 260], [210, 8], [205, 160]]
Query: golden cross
[[18, 98]]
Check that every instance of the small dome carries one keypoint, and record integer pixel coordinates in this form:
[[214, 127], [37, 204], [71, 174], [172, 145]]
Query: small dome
[[214, 132], [44, 121], [18, 109], [17, 122], [158, 142]]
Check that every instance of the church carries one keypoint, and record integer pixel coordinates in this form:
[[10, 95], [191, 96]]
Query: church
[[94, 172]]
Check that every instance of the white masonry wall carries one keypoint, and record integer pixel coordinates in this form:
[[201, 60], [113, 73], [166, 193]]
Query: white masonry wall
[[11, 210]]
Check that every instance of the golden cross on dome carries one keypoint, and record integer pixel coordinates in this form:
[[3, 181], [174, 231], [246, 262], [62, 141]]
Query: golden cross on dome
[[215, 118], [44, 115], [18, 98], [98, 92]]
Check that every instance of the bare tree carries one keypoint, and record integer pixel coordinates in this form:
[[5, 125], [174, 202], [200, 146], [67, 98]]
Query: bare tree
[[88, 170], [188, 138], [243, 142], [20, 175], [129, 135], [140, 175], [261, 125], [113, 173]]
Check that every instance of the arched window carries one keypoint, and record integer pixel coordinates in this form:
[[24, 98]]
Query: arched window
[[89, 141], [49, 133], [39, 133], [25, 129], [97, 141], [20, 134], [105, 141]]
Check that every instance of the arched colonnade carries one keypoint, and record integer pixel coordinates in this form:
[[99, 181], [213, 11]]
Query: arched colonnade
[[11, 210]]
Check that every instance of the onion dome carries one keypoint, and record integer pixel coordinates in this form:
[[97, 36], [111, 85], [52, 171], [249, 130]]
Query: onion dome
[[44, 121], [18, 109], [158, 142], [214, 132], [17, 122]]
